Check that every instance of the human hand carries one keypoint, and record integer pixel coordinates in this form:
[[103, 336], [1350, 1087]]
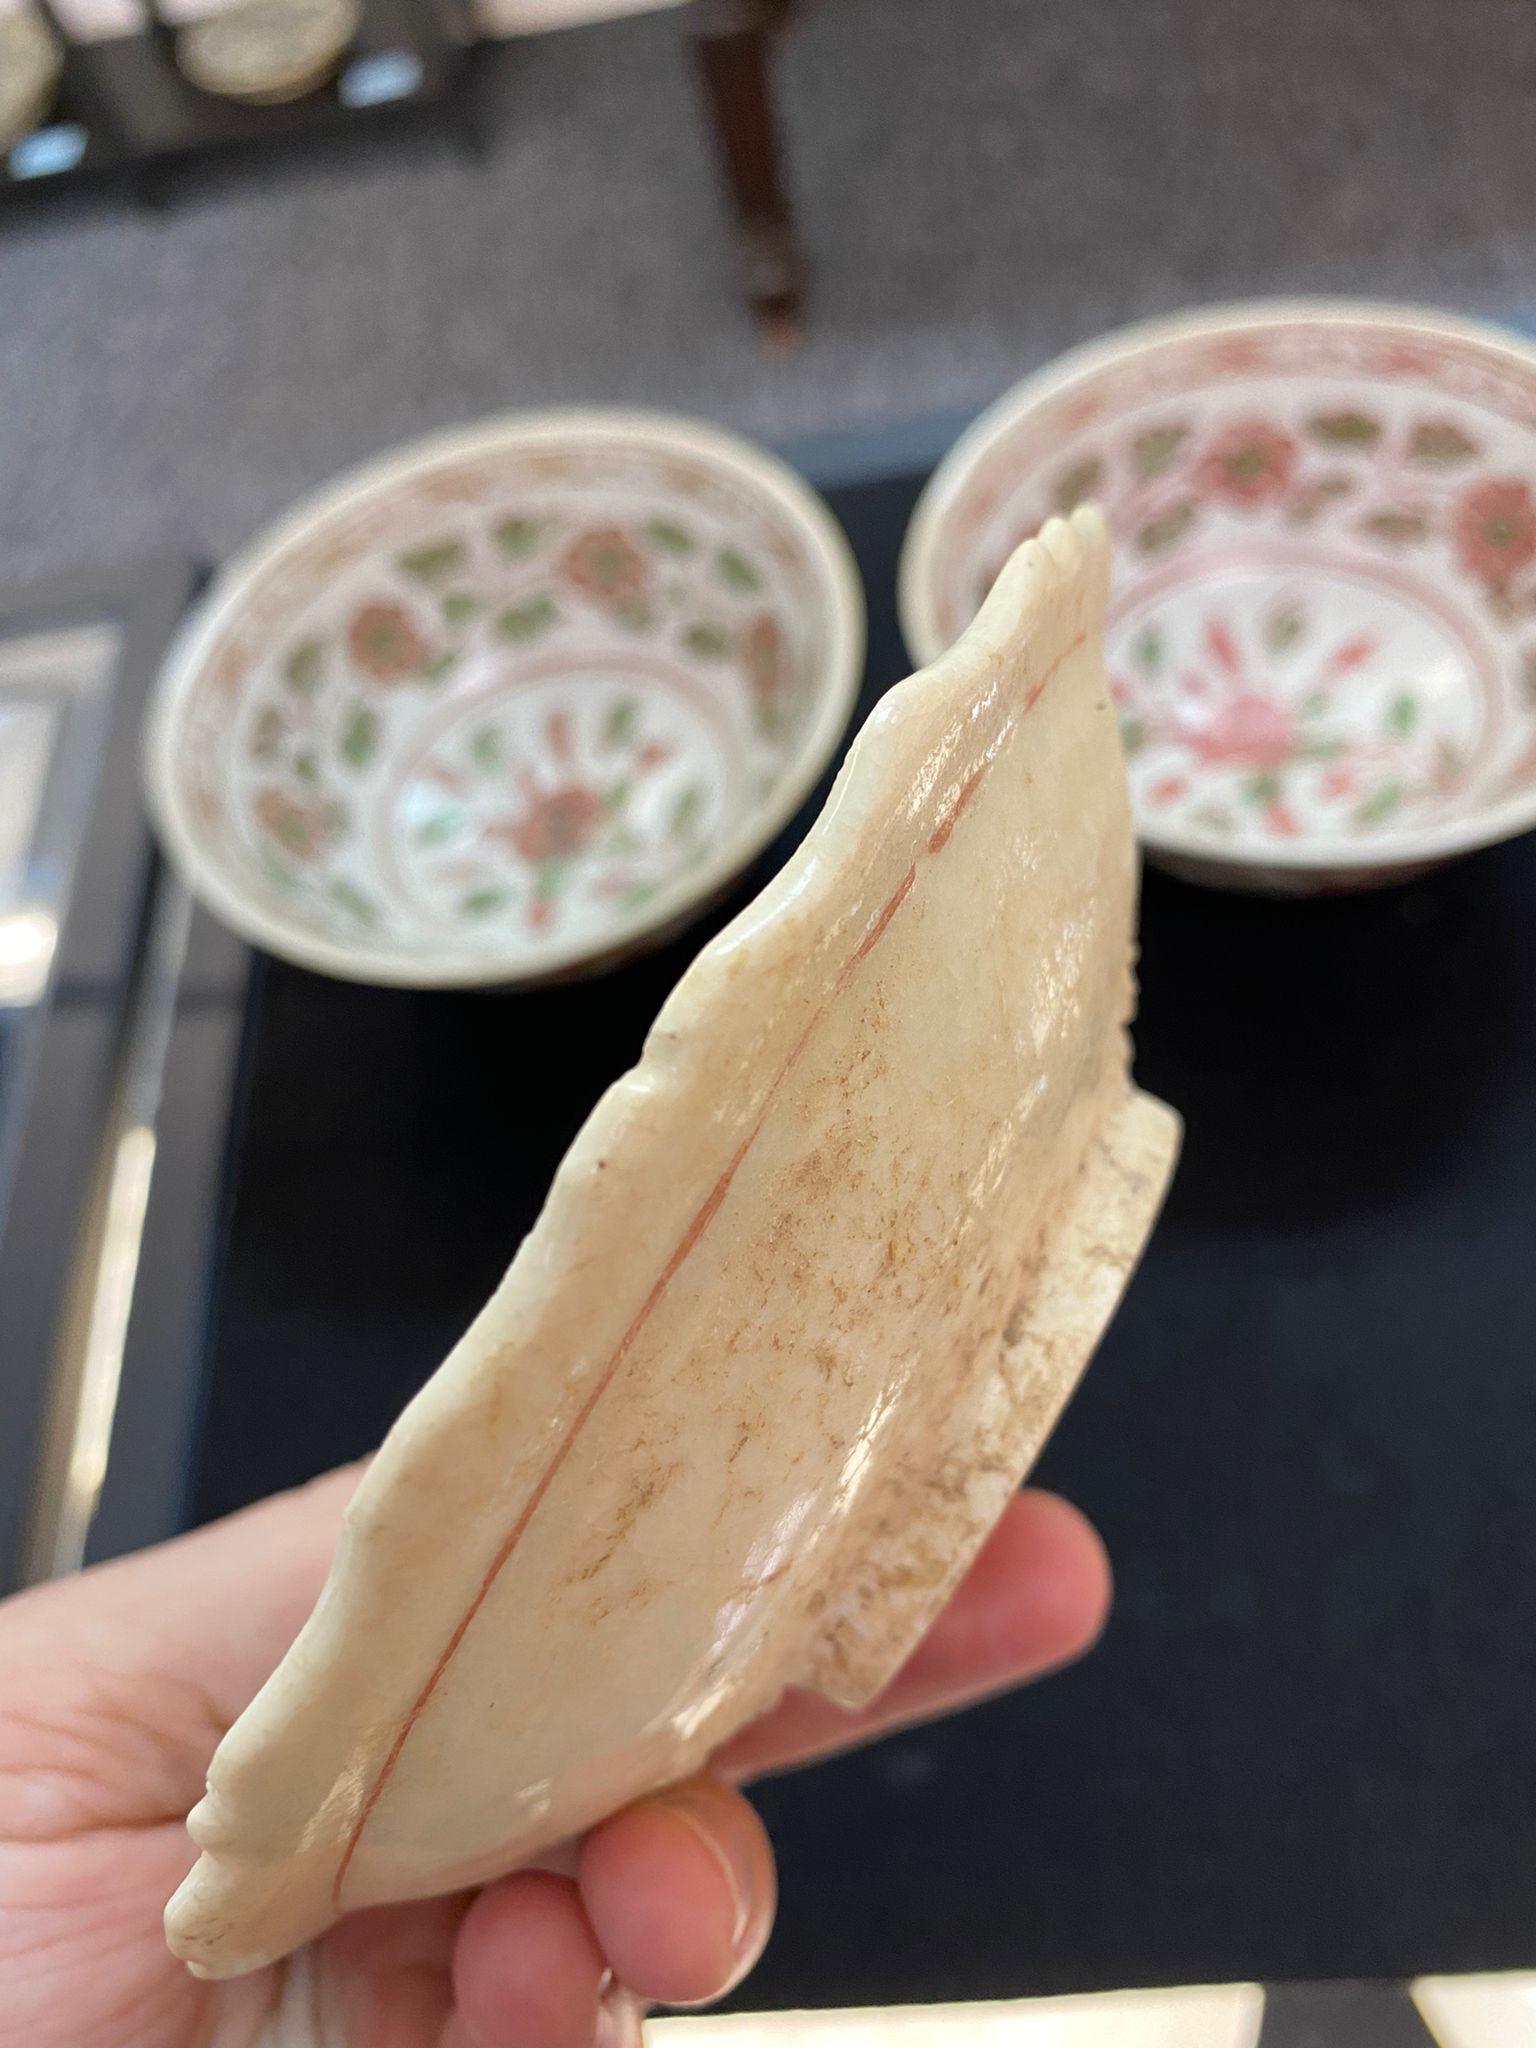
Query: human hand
[[116, 1685]]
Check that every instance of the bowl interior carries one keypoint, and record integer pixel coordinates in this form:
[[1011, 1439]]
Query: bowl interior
[[1322, 633], [507, 705]]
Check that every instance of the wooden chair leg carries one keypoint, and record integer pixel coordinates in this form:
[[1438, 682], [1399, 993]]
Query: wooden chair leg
[[734, 40]]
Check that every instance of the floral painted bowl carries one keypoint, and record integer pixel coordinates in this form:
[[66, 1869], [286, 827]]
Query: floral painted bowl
[[1322, 636], [509, 702]]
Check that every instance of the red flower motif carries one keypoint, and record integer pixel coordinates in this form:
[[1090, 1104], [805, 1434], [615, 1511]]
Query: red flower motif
[[1081, 412], [765, 658], [558, 824], [1221, 646], [384, 643], [557, 732], [605, 565], [1167, 789], [301, 829], [1249, 731], [1249, 464], [1495, 530], [1352, 653], [1408, 359], [1239, 353]]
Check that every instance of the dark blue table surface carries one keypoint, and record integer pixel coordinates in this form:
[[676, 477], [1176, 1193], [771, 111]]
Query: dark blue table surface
[[1304, 1748]]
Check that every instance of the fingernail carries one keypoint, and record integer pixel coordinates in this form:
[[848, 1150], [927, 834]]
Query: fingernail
[[708, 1815], [619, 2019]]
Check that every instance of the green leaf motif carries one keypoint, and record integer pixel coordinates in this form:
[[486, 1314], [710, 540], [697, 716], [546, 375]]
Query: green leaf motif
[[485, 750], [1397, 529], [1147, 650], [684, 820], [279, 876], [638, 895], [1284, 627], [1314, 702], [616, 798], [1263, 789], [1402, 716], [706, 640], [438, 829], [440, 667], [291, 833], [1381, 803], [268, 733], [430, 564], [1156, 449], [671, 538], [481, 902], [517, 537], [1440, 443], [306, 766], [1308, 504], [360, 736], [634, 618], [304, 667], [527, 621], [1347, 429], [1077, 483], [620, 723], [1214, 818], [459, 607], [353, 900], [1320, 749], [1167, 528], [1133, 735], [1528, 677], [735, 571]]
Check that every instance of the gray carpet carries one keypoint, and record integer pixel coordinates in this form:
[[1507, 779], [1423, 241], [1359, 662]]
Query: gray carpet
[[980, 183]]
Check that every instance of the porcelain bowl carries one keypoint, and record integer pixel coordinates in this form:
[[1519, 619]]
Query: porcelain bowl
[[510, 703], [1322, 635]]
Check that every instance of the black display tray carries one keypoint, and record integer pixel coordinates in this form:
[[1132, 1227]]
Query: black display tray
[[1303, 1749], [124, 117]]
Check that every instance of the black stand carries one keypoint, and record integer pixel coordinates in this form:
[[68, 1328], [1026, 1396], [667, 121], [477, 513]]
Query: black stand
[[124, 115]]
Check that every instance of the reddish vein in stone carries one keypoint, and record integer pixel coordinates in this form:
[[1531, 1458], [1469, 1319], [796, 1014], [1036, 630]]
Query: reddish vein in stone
[[951, 817], [700, 1221], [881, 925], [702, 1217]]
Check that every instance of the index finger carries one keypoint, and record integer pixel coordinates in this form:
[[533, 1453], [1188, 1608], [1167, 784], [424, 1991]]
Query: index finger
[[1036, 1598]]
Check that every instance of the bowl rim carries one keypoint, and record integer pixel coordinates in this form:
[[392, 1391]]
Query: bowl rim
[[841, 672], [915, 602]]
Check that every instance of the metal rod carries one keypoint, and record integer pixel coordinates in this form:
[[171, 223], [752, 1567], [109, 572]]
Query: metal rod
[[88, 1358]]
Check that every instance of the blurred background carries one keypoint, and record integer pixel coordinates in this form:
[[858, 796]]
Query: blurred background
[[1303, 1753], [975, 188]]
